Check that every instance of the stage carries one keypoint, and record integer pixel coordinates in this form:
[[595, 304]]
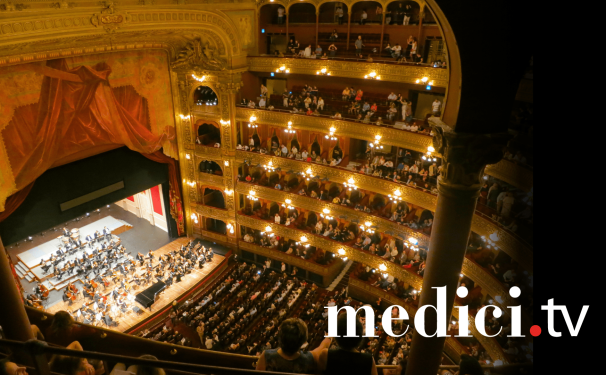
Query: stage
[[129, 319], [29, 260]]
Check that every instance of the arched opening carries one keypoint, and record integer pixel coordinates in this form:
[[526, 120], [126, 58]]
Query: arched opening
[[403, 12], [205, 96], [378, 202], [329, 13], [337, 152], [274, 141], [274, 177], [274, 208], [355, 196], [207, 134], [209, 166], [368, 7], [312, 219], [302, 13], [215, 225], [214, 198], [294, 143], [316, 150], [334, 190]]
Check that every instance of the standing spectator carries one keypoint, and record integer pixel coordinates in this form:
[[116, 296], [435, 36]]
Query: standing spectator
[[320, 104], [363, 17], [339, 15], [436, 106], [346, 359], [407, 14], [288, 357], [388, 17], [358, 44], [332, 50], [379, 14], [280, 16], [263, 90], [413, 48], [285, 96]]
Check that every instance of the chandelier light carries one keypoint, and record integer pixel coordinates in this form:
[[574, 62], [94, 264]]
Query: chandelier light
[[325, 214], [194, 217], [287, 204], [282, 69], [225, 123], [372, 75], [229, 192], [323, 72], [308, 174], [252, 120], [366, 227], [428, 155], [412, 243], [331, 136], [396, 197], [251, 196], [377, 142], [231, 228], [350, 184], [269, 166], [183, 117], [290, 130], [199, 79]]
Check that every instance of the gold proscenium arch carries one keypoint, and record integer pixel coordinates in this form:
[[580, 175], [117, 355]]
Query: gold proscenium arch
[[71, 33]]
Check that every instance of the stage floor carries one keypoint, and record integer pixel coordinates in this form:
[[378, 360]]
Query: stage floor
[[129, 319]]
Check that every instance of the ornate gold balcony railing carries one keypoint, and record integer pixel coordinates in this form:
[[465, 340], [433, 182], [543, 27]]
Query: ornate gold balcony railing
[[516, 175], [208, 153], [519, 251], [367, 132], [290, 259], [210, 179], [213, 212], [333, 246], [471, 269], [401, 73]]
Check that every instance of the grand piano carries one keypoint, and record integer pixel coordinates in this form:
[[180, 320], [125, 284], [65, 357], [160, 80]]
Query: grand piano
[[147, 297]]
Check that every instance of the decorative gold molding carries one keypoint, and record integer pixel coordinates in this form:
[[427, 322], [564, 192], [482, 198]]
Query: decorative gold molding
[[517, 175], [289, 259], [214, 236], [389, 72], [390, 136], [335, 210], [213, 212], [208, 153], [211, 179], [519, 251], [333, 246]]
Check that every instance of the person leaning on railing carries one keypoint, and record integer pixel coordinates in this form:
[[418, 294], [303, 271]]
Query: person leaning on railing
[[139, 370]]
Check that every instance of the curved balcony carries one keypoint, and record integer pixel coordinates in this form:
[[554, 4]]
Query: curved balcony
[[470, 269], [328, 272], [391, 72], [505, 170], [508, 242]]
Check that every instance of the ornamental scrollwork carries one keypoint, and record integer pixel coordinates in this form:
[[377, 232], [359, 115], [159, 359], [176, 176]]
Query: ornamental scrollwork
[[198, 56]]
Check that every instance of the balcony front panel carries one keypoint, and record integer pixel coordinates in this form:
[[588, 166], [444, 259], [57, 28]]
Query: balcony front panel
[[401, 73]]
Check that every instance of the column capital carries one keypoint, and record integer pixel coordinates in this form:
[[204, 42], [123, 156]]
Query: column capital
[[465, 155]]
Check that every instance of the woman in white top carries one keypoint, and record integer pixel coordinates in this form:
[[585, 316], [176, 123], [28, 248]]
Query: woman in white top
[[307, 51], [413, 48], [319, 227], [277, 219], [404, 108], [320, 104], [307, 102]]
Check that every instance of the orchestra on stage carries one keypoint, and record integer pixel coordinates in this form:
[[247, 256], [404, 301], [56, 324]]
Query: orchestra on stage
[[107, 263]]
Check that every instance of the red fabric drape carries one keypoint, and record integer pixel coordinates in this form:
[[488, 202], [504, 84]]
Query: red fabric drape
[[78, 109], [174, 176], [14, 201]]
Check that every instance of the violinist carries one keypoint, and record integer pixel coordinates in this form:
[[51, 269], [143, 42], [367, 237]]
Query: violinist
[[140, 258], [89, 239], [72, 288], [78, 243], [150, 255], [136, 279], [87, 283]]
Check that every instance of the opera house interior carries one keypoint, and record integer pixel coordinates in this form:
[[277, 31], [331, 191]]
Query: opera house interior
[[188, 186]]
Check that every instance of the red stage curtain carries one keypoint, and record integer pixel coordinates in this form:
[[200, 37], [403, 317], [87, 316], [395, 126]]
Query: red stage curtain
[[174, 176], [14, 201], [78, 110]]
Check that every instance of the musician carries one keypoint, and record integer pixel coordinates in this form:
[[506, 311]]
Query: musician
[[140, 258], [66, 232], [78, 243], [169, 279], [97, 236], [87, 283], [107, 233], [150, 255], [60, 252], [201, 261], [104, 246], [90, 240], [136, 279]]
